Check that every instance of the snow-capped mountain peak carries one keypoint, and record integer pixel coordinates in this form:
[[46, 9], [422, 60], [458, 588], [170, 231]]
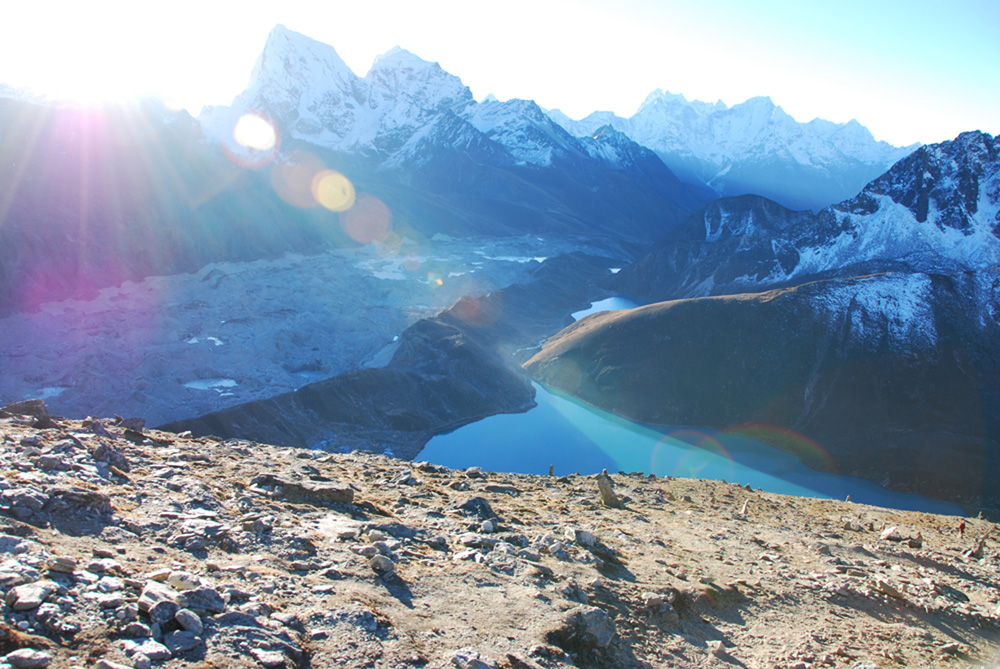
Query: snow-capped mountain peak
[[401, 76], [290, 57], [752, 147], [307, 89], [659, 96]]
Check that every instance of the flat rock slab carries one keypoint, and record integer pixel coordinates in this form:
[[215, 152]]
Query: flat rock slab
[[308, 491], [30, 595]]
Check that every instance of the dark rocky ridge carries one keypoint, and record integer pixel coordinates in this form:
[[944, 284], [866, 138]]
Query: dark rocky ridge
[[449, 370], [906, 400]]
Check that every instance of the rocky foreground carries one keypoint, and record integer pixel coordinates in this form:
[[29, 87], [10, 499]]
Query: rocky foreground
[[126, 547]]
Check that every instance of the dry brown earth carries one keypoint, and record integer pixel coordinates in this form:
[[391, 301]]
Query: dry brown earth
[[125, 547]]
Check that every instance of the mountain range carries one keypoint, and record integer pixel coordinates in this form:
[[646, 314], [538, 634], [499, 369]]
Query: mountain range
[[752, 147], [844, 290], [937, 210], [870, 328]]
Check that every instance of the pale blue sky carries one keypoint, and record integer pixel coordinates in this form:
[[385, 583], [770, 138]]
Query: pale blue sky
[[914, 70]]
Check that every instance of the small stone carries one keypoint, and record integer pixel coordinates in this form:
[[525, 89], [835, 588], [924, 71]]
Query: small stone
[[652, 600], [474, 472], [182, 580], [160, 575], [269, 658], [61, 564], [103, 565], [474, 540], [951, 648], [286, 619], [487, 526], [306, 491], [475, 506], [887, 588], [716, 648], [470, 658], [376, 535], [111, 600], [153, 650], [163, 612], [137, 630], [189, 620], [381, 565], [108, 664], [587, 626], [27, 658], [581, 537], [181, 641], [154, 592], [203, 599], [53, 462], [140, 661], [365, 551], [890, 534]]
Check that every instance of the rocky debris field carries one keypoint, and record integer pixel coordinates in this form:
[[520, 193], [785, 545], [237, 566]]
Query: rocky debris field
[[127, 547], [179, 346]]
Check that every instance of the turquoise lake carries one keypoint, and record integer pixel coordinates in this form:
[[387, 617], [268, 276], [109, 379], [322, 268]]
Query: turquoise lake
[[573, 436]]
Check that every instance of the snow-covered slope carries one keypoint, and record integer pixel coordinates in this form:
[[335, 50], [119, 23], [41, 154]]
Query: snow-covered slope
[[937, 210], [305, 87], [753, 147]]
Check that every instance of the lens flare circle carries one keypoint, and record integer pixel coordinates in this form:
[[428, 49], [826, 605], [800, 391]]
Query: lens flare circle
[[333, 190], [292, 178], [369, 220], [810, 452], [694, 460]]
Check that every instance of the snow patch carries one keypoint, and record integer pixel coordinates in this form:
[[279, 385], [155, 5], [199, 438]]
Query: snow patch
[[896, 306], [219, 385]]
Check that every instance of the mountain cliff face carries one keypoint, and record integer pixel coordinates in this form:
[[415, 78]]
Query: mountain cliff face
[[938, 210], [752, 147]]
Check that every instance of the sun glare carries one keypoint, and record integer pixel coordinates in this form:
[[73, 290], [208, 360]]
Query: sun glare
[[255, 132]]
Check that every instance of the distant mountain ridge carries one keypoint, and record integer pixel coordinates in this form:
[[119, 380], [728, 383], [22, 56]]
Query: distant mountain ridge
[[409, 120], [752, 147], [937, 210]]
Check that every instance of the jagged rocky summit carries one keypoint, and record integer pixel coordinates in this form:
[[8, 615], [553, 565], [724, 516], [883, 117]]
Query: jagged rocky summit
[[132, 547]]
